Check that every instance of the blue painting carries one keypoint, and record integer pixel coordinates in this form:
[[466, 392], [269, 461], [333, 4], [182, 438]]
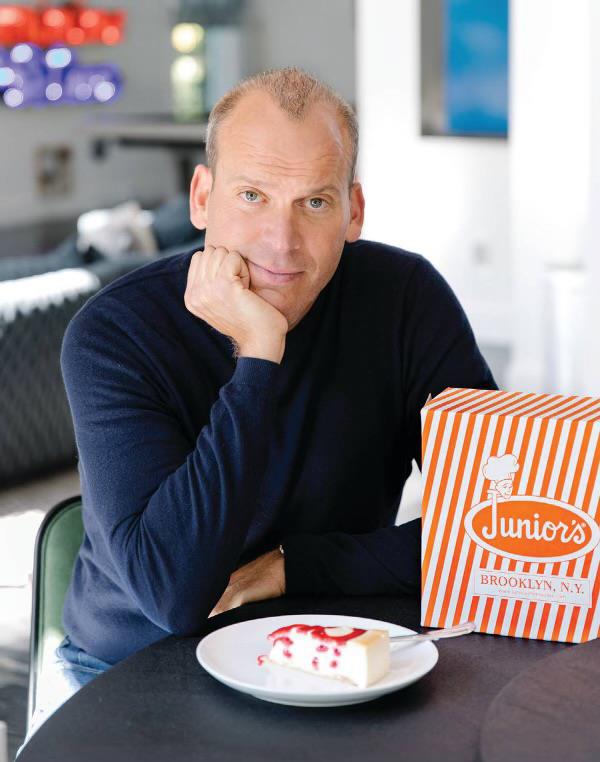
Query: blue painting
[[464, 67], [476, 53]]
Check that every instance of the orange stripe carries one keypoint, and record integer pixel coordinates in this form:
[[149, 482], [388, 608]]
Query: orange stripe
[[442, 397], [532, 479], [523, 403], [585, 443], [588, 558], [514, 620], [426, 550], [521, 489], [560, 484], [549, 411], [440, 497], [585, 411], [560, 487], [500, 616], [512, 432], [560, 615], [440, 404], [434, 456], [471, 552], [469, 497], [529, 619], [437, 574], [536, 396], [551, 462], [524, 489], [563, 414], [456, 553], [484, 555], [425, 437], [510, 446], [475, 400], [499, 411], [544, 491]]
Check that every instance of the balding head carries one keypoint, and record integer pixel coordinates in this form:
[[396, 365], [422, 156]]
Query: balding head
[[296, 93]]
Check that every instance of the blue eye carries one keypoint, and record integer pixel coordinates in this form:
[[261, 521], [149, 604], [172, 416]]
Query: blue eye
[[252, 193], [321, 203]]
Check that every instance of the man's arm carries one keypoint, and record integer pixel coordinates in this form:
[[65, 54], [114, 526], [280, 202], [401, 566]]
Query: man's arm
[[436, 349], [384, 562], [173, 513]]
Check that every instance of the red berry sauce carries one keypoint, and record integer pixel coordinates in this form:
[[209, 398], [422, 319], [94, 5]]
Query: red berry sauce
[[318, 633]]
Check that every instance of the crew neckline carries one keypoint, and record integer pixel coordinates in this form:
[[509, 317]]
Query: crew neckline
[[313, 315]]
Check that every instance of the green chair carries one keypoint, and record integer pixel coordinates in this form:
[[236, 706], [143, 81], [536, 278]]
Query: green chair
[[57, 543]]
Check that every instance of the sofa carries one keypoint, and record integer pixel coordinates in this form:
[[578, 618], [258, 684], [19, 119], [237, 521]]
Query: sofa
[[38, 297]]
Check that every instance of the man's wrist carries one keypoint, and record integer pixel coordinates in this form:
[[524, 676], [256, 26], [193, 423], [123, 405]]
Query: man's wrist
[[280, 558], [266, 349]]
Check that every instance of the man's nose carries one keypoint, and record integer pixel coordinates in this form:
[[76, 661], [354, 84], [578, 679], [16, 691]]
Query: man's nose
[[281, 233]]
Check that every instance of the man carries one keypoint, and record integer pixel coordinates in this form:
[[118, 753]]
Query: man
[[259, 396]]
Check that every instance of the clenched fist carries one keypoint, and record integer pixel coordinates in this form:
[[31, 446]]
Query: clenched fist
[[218, 291]]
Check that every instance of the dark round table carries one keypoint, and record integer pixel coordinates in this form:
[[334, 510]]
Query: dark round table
[[549, 712], [161, 705]]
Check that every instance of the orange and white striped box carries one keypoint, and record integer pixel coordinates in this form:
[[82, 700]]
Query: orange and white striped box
[[511, 512]]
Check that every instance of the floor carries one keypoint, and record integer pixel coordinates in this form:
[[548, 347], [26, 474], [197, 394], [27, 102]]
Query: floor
[[21, 511]]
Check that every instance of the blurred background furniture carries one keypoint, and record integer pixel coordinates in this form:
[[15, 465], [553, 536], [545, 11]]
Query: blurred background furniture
[[57, 543], [38, 297], [184, 140]]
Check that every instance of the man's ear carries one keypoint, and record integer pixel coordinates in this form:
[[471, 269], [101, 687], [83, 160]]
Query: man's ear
[[357, 213], [199, 192]]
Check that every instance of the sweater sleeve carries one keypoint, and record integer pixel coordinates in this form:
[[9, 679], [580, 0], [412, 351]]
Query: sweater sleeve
[[171, 514], [436, 349]]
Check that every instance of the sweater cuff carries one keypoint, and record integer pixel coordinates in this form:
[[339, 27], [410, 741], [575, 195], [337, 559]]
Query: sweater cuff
[[386, 561], [305, 566], [255, 371]]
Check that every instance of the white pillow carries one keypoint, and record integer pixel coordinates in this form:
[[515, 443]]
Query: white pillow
[[114, 232]]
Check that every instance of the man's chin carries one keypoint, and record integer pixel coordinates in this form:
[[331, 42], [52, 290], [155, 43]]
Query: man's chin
[[272, 295]]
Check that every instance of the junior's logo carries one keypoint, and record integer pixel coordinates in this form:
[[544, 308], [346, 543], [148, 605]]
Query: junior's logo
[[527, 527]]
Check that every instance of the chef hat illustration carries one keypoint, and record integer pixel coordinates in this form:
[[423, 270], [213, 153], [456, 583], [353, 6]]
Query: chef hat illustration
[[500, 467]]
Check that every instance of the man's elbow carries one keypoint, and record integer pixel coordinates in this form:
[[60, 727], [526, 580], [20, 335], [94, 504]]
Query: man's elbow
[[178, 611], [184, 622]]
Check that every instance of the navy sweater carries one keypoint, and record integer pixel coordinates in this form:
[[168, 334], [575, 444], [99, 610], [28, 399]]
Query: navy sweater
[[193, 463]]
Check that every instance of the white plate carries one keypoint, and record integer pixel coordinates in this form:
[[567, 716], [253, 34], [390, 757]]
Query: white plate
[[230, 655]]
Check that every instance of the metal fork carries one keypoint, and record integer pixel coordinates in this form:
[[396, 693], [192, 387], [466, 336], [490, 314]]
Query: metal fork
[[464, 628]]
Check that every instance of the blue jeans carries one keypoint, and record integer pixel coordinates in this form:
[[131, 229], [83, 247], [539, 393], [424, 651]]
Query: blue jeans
[[69, 670], [83, 665]]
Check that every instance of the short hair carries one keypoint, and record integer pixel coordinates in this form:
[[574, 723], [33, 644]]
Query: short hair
[[294, 90]]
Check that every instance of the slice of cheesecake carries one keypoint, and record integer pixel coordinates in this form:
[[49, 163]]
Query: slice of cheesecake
[[348, 653]]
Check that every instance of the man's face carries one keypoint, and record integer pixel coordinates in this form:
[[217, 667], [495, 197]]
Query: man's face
[[280, 198], [505, 487]]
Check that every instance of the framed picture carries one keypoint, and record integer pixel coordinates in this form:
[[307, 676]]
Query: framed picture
[[464, 68]]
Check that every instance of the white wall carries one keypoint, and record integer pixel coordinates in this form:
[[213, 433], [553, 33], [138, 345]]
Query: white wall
[[316, 35], [591, 369], [555, 177], [443, 197]]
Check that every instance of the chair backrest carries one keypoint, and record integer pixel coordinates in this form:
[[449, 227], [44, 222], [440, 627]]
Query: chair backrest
[[57, 543]]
